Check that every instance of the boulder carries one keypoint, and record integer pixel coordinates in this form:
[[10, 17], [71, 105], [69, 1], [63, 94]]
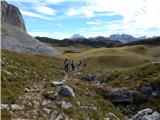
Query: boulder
[[66, 91], [156, 93], [146, 90], [119, 95], [146, 114], [65, 105]]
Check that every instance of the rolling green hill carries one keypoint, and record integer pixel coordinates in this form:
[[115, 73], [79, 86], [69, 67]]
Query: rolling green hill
[[118, 57]]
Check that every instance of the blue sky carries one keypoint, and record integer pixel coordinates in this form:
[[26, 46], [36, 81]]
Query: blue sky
[[63, 18]]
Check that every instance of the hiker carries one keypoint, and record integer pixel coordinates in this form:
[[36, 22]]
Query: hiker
[[72, 65], [79, 64], [66, 65]]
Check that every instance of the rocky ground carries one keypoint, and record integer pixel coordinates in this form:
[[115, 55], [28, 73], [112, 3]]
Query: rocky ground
[[35, 103], [39, 103]]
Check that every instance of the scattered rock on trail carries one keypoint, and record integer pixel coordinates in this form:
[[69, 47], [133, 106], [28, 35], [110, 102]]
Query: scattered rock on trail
[[65, 105], [4, 107], [60, 117], [16, 107], [146, 114], [66, 91], [112, 115], [91, 77], [90, 107], [26, 90]]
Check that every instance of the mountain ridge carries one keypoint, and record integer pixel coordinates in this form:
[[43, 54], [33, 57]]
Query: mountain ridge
[[83, 41]]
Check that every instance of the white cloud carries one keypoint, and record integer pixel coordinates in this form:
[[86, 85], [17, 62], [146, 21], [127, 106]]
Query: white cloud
[[94, 23], [45, 10], [138, 15], [54, 1], [31, 14], [57, 35], [82, 11]]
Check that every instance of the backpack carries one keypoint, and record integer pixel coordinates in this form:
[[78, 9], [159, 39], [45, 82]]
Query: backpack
[[66, 63]]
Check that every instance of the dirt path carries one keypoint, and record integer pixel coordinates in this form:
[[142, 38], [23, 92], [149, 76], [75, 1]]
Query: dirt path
[[35, 106]]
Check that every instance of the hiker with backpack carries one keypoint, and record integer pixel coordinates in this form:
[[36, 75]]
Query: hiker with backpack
[[66, 65]]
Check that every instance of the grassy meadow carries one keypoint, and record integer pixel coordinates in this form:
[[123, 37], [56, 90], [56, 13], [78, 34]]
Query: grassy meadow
[[23, 70]]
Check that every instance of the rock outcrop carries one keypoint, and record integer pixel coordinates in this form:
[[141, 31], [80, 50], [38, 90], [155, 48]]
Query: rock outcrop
[[67, 91], [11, 15], [119, 96], [14, 35], [146, 114]]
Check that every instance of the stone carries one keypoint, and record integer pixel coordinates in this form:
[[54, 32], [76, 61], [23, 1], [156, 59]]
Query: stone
[[90, 107], [60, 117], [4, 107], [146, 90], [145, 111], [91, 77], [26, 90], [65, 105], [156, 93], [56, 83], [146, 114], [66, 91], [16, 107], [7, 72], [48, 111], [112, 115], [126, 78], [2, 59], [119, 95]]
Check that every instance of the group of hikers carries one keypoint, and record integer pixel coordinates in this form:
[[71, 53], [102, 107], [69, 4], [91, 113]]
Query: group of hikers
[[74, 65]]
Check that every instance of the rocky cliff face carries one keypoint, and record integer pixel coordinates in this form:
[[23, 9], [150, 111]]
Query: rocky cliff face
[[11, 15], [14, 35]]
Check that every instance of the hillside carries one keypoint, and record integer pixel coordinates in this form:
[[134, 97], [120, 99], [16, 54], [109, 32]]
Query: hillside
[[148, 41], [19, 84], [118, 57], [36, 90]]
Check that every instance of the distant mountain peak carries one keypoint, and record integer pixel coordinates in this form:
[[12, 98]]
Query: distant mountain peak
[[77, 36], [122, 37]]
